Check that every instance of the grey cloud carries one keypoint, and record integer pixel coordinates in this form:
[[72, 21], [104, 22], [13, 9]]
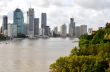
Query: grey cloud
[[94, 4], [40, 3], [62, 3]]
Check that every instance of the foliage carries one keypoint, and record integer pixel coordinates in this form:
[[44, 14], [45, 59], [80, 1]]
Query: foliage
[[79, 64], [2, 37]]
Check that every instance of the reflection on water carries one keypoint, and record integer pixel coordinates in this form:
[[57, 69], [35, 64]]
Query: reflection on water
[[32, 55]]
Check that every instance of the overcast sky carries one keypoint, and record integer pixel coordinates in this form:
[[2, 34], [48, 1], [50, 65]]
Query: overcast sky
[[94, 13]]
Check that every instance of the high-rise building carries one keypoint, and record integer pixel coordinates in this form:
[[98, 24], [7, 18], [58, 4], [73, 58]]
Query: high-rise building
[[36, 26], [30, 21], [83, 29], [64, 30], [77, 31], [5, 25], [19, 21], [43, 22], [72, 28]]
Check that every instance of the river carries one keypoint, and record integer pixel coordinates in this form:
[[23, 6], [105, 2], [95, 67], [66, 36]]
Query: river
[[32, 55]]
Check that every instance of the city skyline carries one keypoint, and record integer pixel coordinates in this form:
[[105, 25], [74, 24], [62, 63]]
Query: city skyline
[[93, 13], [31, 29]]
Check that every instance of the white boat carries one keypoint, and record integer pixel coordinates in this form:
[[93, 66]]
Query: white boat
[[43, 36], [76, 40]]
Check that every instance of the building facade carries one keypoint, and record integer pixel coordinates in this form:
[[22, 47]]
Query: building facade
[[19, 21]]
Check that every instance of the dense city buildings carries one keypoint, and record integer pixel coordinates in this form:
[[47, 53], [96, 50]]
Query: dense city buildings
[[18, 19], [63, 30], [30, 21], [72, 28], [5, 25], [31, 29], [36, 27]]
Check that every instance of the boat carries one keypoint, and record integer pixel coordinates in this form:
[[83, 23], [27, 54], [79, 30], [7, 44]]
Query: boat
[[76, 40]]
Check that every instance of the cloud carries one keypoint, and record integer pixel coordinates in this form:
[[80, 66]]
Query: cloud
[[47, 3], [94, 13], [94, 4]]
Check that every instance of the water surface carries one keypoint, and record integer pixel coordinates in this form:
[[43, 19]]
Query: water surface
[[32, 55]]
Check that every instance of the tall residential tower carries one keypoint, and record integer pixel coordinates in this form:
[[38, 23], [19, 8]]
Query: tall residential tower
[[43, 23]]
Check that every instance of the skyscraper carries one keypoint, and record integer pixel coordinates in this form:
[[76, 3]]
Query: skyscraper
[[43, 22], [30, 19], [19, 21], [36, 26], [5, 25], [72, 28]]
